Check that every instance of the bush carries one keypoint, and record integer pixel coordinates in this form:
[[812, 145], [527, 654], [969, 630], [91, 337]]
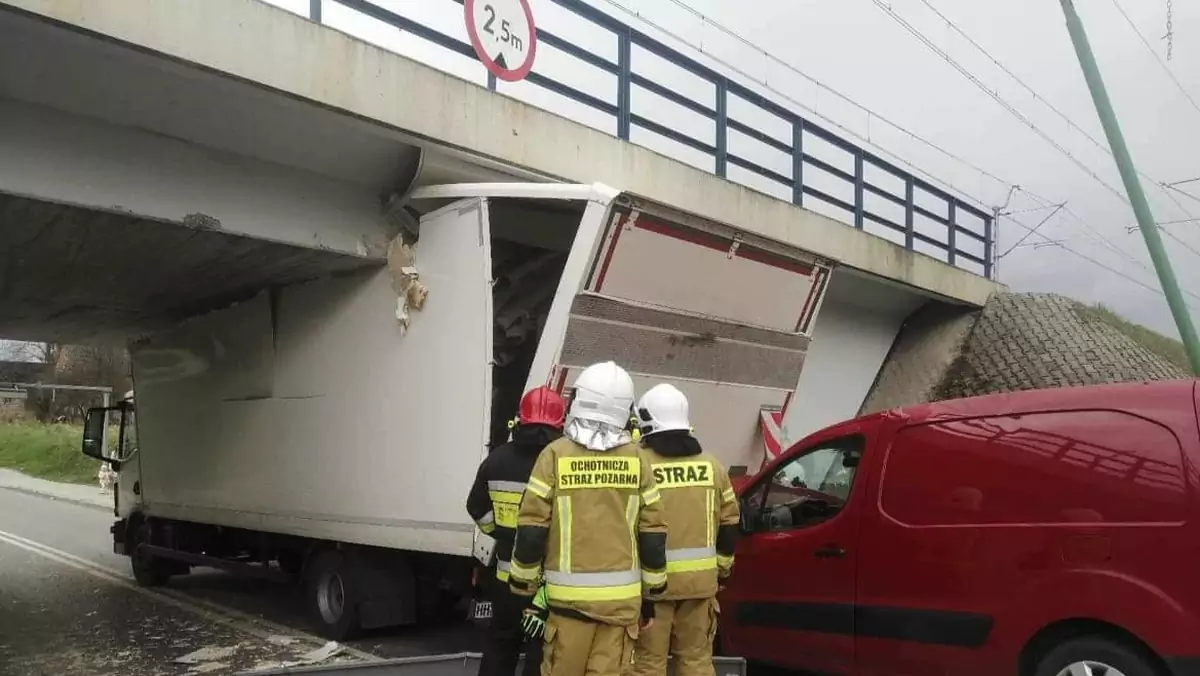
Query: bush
[[46, 451]]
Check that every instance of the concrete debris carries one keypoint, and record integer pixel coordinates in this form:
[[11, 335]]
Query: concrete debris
[[282, 640], [208, 668], [406, 282], [323, 653], [207, 654]]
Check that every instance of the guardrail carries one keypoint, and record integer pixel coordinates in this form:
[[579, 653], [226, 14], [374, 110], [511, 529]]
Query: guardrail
[[910, 211]]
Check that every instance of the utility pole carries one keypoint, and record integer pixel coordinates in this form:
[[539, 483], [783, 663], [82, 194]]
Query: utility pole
[[1133, 186]]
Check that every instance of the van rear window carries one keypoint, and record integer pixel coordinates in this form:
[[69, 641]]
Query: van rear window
[[1055, 467]]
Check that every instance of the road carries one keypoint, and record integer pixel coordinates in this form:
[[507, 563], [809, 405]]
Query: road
[[68, 605]]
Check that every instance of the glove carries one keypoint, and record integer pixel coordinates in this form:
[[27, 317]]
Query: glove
[[647, 614], [534, 622]]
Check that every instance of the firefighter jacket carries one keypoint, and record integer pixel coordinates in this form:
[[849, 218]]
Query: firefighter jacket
[[495, 496], [591, 528], [701, 512]]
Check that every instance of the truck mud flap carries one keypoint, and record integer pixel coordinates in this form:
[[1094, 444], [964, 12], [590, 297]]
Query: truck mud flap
[[458, 664]]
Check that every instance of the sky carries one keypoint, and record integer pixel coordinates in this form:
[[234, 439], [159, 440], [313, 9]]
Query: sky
[[857, 65]]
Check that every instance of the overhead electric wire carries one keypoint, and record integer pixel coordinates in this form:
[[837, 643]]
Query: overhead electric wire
[[1033, 231], [1001, 101], [1087, 228], [1157, 58], [870, 112], [1012, 110]]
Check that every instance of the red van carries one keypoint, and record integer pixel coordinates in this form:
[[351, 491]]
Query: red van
[[1039, 533]]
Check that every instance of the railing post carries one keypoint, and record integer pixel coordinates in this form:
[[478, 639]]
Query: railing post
[[987, 247], [722, 126], [952, 238], [624, 83], [908, 214], [858, 189], [798, 162], [314, 10], [492, 81]]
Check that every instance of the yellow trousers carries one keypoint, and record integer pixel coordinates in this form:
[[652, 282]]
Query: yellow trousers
[[683, 629], [575, 647]]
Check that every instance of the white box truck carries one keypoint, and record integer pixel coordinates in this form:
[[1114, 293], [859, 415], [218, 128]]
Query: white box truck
[[330, 430]]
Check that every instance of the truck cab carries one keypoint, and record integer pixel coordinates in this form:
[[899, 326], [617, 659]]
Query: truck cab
[[1035, 533]]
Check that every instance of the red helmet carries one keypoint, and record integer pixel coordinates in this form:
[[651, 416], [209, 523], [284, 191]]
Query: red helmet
[[542, 406]]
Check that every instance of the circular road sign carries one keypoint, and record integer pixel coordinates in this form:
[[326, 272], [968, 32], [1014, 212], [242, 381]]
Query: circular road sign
[[503, 35]]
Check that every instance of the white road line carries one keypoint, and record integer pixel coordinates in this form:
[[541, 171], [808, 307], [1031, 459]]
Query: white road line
[[255, 626]]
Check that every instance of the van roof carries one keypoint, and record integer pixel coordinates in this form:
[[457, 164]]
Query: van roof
[[1114, 396]]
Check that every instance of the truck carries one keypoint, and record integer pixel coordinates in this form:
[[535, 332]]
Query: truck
[[327, 432]]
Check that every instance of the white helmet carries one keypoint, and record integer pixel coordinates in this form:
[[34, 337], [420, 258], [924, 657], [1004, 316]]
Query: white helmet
[[603, 394], [661, 409]]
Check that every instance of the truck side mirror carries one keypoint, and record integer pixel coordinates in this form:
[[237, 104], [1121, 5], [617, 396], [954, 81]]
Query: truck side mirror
[[95, 433]]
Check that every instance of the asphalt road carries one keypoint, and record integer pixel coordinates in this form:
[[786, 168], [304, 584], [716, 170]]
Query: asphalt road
[[68, 605]]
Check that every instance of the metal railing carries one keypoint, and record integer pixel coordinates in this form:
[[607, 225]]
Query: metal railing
[[912, 211]]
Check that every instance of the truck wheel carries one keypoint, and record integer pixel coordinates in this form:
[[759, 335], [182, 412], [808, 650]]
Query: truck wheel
[[333, 595], [1096, 656], [148, 571]]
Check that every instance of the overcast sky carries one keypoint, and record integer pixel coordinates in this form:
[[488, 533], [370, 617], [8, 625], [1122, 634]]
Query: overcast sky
[[857, 49]]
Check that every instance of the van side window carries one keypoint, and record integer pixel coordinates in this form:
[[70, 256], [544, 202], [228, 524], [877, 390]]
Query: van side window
[[810, 488], [1052, 467]]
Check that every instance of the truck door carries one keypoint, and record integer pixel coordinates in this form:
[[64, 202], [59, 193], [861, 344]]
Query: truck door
[[448, 347], [791, 599]]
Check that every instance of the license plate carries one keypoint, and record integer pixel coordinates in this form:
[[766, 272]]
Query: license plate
[[481, 610]]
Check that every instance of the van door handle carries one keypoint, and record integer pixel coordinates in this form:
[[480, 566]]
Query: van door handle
[[830, 552]]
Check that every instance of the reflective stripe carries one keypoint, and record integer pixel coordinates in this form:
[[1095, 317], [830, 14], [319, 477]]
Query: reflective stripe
[[690, 553], [652, 579], [502, 575], [610, 579], [487, 523], [502, 570], [728, 496], [710, 515], [725, 561], [631, 517], [618, 593], [691, 559], [506, 486], [651, 496], [507, 505], [564, 533], [523, 572], [538, 487], [692, 565]]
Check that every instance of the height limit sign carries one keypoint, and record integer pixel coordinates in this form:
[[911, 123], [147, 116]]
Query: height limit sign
[[503, 35]]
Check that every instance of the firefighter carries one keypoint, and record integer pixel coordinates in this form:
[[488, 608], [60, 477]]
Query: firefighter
[[493, 503], [702, 518], [591, 530]]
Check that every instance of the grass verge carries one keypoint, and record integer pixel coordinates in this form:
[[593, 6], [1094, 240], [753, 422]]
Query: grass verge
[[1165, 347], [47, 452]]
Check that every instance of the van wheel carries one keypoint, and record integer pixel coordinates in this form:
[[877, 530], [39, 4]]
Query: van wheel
[[1095, 656], [332, 595]]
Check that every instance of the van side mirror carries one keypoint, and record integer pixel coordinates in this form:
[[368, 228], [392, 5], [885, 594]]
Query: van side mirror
[[95, 433]]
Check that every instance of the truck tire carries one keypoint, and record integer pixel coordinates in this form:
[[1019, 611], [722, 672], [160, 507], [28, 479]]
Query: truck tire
[[1096, 655], [331, 590], [149, 571]]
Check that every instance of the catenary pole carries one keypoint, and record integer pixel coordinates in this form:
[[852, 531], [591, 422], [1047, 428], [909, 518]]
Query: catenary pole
[[1133, 186]]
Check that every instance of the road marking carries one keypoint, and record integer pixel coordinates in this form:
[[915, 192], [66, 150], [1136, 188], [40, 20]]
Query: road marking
[[213, 612]]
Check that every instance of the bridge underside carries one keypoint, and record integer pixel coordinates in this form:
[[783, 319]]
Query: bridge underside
[[70, 274]]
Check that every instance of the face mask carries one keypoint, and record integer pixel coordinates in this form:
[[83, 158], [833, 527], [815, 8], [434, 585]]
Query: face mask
[[596, 436]]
